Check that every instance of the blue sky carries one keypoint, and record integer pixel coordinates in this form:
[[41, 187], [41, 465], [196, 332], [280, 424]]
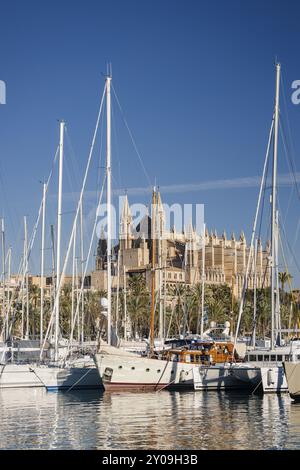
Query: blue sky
[[196, 82]]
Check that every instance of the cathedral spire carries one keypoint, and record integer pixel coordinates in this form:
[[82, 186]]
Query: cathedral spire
[[125, 224]]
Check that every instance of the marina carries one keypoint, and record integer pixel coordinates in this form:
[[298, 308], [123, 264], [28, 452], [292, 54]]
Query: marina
[[132, 317]]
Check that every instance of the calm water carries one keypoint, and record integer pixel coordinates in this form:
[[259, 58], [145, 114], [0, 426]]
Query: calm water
[[35, 419]]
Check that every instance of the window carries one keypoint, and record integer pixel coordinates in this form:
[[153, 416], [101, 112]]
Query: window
[[279, 357], [132, 368], [120, 367], [148, 370], [259, 357], [175, 276], [180, 276], [169, 275], [266, 357], [252, 357], [273, 357], [286, 358], [158, 371]]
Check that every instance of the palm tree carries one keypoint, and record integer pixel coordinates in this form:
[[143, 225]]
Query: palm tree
[[284, 277]]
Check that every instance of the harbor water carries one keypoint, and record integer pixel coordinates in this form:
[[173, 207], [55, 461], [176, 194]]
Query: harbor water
[[37, 419]]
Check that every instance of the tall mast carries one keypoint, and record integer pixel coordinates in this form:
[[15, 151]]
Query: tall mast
[[26, 277], [161, 310], [152, 312], [59, 216], [118, 289], [108, 201], [82, 272], [42, 284], [277, 304], [53, 266], [73, 285], [125, 303], [8, 288], [274, 195], [3, 275], [254, 292], [203, 282]]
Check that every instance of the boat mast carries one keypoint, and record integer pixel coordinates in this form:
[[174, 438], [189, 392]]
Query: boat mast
[[82, 271], [26, 278], [59, 216], [153, 228], [42, 283], [108, 201], [73, 286], [160, 235], [254, 292], [118, 291], [203, 282], [3, 276], [274, 195], [125, 303], [53, 268], [277, 306], [8, 287]]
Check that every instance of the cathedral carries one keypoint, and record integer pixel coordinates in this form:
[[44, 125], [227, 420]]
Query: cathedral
[[178, 256]]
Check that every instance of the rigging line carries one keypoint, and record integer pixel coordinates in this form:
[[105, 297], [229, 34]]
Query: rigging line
[[263, 201], [288, 123], [290, 248], [118, 161], [284, 262], [296, 234], [289, 158], [84, 273], [22, 264], [132, 138], [99, 168], [6, 204], [90, 153], [75, 174], [245, 280]]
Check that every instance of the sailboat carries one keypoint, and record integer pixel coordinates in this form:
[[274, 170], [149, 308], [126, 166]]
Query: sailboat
[[64, 373], [171, 368], [263, 367]]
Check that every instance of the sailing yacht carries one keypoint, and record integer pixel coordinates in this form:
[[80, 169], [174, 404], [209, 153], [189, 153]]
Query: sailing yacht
[[64, 372], [263, 367], [203, 364], [156, 370]]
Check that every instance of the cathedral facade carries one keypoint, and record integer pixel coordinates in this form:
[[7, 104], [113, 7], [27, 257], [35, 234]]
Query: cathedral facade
[[179, 256]]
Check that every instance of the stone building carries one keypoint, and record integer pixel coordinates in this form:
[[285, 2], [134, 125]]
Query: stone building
[[178, 256]]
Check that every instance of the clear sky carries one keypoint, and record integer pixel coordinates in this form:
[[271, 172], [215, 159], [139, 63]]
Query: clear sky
[[196, 82]]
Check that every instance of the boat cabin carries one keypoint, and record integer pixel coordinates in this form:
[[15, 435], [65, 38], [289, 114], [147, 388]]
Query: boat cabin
[[206, 353]]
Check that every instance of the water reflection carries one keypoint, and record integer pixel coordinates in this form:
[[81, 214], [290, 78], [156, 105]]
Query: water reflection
[[35, 419]]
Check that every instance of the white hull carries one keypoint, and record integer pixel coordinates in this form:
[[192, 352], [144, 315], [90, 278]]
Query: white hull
[[270, 378], [292, 373], [122, 370], [218, 377], [18, 376], [74, 376]]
